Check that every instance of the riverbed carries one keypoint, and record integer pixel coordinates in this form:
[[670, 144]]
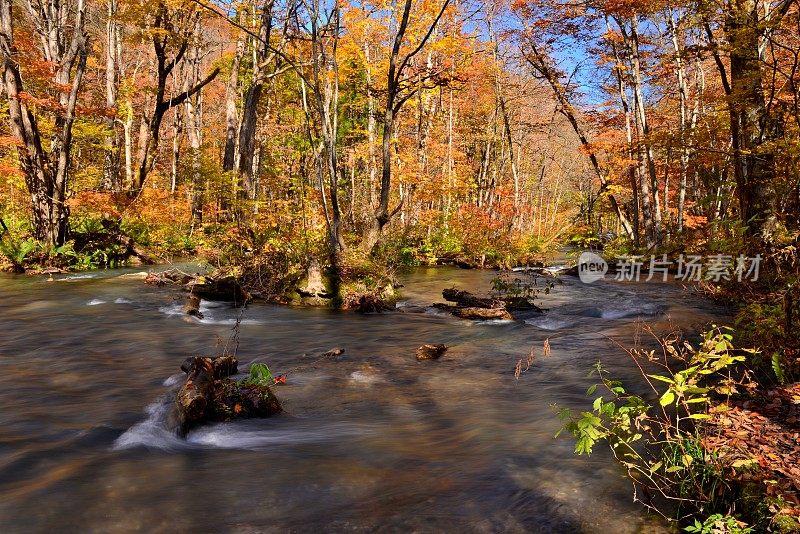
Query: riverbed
[[371, 441]]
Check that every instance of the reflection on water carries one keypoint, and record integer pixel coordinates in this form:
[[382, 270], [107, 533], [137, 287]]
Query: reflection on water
[[372, 441]]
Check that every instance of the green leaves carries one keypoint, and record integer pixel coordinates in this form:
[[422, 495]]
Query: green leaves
[[718, 523], [777, 368], [660, 445], [667, 398], [260, 375]]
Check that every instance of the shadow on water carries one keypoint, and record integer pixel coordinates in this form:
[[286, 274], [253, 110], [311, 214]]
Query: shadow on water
[[372, 441]]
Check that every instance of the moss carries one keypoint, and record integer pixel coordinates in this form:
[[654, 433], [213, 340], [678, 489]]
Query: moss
[[785, 524]]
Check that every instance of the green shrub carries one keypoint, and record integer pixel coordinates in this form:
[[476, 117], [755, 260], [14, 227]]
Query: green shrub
[[658, 443]]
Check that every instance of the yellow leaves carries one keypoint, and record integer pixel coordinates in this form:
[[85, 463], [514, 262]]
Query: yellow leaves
[[745, 463]]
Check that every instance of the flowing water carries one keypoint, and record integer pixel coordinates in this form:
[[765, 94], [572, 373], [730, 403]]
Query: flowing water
[[371, 441]]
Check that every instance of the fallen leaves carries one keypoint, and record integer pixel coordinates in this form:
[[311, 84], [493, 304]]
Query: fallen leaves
[[759, 438]]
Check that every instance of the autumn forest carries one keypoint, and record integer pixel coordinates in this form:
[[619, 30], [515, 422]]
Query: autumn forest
[[308, 151], [525, 121]]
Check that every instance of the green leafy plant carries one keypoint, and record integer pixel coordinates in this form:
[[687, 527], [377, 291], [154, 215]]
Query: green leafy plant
[[777, 368], [505, 286], [588, 239], [17, 251], [260, 375], [718, 524], [658, 438]]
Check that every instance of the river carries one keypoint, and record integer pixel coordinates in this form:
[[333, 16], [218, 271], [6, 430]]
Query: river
[[374, 441]]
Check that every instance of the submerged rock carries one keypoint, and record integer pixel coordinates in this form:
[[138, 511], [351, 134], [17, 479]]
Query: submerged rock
[[431, 352]]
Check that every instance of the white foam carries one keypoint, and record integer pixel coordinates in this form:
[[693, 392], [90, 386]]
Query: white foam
[[635, 310], [174, 379], [233, 436], [211, 320], [95, 302], [76, 277], [365, 377], [153, 431], [121, 301], [209, 311], [550, 322], [493, 322], [172, 309]]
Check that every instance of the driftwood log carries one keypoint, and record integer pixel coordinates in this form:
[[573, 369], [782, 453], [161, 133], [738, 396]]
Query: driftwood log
[[431, 352], [209, 394]]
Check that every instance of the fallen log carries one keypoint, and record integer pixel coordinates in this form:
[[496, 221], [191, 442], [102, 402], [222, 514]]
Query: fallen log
[[134, 250], [210, 395], [196, 394], [177, 277], [459, 261], [468, 300], [430, 352], [235, 400], [333, 353]]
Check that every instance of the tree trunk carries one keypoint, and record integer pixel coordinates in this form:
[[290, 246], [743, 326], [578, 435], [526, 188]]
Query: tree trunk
[[394, 101], [231, 123], [46, 173], [751, 127], [111, 163], [680, 73], [148, 143], [371, 126], [231, 113], [633, 170], [194, 129], [647, 159]]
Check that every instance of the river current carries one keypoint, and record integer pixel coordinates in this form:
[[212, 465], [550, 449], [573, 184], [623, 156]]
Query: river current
[[371, 441]]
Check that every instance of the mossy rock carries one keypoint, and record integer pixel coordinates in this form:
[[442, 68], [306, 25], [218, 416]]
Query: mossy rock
[[234, 400]]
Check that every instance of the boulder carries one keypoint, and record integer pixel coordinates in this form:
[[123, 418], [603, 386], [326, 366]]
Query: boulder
[[431, 352]]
